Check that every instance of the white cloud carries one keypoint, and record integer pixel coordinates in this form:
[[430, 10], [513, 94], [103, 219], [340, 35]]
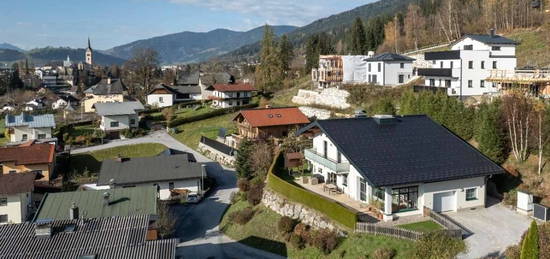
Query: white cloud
[[289, 12]]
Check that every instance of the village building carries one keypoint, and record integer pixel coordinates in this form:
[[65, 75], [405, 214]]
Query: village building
[[106, 91], [16, 197], [406, 162], [118, 116], [389, 69], [25, 127], [466, 68], [29, 157], [230, 95], [164, 96]]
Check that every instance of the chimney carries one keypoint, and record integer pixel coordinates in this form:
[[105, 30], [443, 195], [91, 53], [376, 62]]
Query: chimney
[[106, 196], [108, 80], [384, 119], [73, 211], [112, 183], [492, 32], [267, 106], [370, 54], [43, 228]]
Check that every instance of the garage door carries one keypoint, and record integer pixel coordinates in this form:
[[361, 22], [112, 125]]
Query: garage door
[[444, 201]]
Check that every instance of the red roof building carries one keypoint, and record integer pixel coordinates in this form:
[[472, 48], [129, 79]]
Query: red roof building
[[230, 95], [268, 123], [28, 157]]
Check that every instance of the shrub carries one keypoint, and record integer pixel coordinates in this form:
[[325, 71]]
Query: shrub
[[383, 253], [512, 252], [510, 198], [243, 184], [324, 240], [242, 217], [437, 245], [530, 245], [296, 241], [301, 229], [254, 194], [286, 224]]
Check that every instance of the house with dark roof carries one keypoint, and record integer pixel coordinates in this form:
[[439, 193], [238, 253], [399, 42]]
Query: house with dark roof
[[464, 70], [164, 96], [16, 197], [267, 123], [406, 162], [230, 95], [107, 90], [25, 127], [115, 237], [118, 116], [171, 174], [118, 202], [389, 69], [29, 157]]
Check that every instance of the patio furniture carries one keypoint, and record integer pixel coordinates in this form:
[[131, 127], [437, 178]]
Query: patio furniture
[[314, 180], [305, 179]]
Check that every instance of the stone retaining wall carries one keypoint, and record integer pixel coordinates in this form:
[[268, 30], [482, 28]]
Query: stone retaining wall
[[330, 97], [284, 207]]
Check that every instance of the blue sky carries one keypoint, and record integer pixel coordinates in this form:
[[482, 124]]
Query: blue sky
[[39, 23]]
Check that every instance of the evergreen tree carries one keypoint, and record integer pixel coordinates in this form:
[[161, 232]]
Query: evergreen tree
[[489, 133], [358, 44], [530, 244], [243, 161], [268, 72], [312, 53], [286, 53], [383, 106]]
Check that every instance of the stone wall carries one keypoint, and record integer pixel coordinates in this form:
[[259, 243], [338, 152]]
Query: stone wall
[[297, 211], [320, 114], [216, 155], [330, 97]]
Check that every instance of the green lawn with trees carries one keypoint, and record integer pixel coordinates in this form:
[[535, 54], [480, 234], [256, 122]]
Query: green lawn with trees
[[190, 133]]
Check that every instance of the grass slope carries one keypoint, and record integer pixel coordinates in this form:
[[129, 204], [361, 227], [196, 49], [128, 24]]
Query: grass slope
[[533, 49], [190, 133], [422, 226], [261, 232]]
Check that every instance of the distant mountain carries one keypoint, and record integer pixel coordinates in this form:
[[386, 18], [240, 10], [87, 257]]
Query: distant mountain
[[42, 56], [186, 47], [334, 24], [6, 45]]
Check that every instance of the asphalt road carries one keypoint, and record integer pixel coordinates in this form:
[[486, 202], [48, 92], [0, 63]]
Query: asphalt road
[[197, 225]]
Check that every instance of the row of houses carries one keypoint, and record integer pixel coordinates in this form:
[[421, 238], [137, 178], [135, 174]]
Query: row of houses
[[475, 65]]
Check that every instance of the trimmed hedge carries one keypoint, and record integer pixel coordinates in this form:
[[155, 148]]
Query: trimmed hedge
[[331, 209], [218, 112]]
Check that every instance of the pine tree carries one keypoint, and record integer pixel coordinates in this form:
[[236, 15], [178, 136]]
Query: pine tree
[[286, 53], [268, 72], [358, 45], [489, 133], [243, 161], [530, 244], [312, 53]]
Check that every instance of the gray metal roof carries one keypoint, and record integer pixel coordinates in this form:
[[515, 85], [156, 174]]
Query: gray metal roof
[[490, 39], [187, 89], [31, 121], [103, 88], [148, 169], [118, 108], [188, 78], [117, 237], [390, 57]]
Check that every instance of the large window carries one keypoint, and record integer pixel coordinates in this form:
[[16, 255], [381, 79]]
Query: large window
[[362, 190], [401, 79], [3, 201], [41, 136], [470, 84], [404, 199], [482, 83], [114, 124], [471, 194], [4, 218]]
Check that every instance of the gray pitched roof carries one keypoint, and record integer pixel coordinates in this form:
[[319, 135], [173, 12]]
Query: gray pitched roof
[[389, 57], [188, 78], [148, 169], [217, 78], [117, 237], [31, 121], [118, 108], [407, 150], [491, 39], [187, 89], [102, 88]]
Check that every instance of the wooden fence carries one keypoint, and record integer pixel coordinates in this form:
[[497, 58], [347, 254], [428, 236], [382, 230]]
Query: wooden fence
[[363, 227], [452, 228]]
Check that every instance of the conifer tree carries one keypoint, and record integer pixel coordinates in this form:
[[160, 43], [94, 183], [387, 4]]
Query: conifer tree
[[530, 244], [358, 45], [268, 72], [286, 53], [489, 133], [243, 161]]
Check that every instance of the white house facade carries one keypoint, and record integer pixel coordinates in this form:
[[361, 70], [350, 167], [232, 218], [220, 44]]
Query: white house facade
[[118, 116], [230, 95], [392, 165], [464, 69], [389, 69], [16, 198], [25, 127], [165, 96]]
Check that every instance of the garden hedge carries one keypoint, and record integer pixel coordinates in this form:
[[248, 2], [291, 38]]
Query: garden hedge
[[218, 112], [331, 209]]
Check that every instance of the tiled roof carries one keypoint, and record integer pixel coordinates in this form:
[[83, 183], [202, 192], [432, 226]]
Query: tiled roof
[[233, 88], [31, 121], [148, 169], [405, 150], [117, 237], [91, 204], [118, 108], [16, 183], [390, 57], [28, 154], [273, 117]]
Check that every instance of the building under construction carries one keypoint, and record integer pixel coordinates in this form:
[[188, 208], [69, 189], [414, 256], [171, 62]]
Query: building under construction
[[535, 82]]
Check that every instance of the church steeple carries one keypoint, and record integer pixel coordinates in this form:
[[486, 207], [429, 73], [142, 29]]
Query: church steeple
[[89, 54]]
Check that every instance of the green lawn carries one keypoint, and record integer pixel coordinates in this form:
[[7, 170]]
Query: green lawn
[[261, 232], [91, 162], [190, 133], [186, 112], [533, 49], [82, 130], [422, 226]]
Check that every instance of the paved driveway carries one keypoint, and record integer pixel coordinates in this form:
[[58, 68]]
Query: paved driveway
[[493, 229]]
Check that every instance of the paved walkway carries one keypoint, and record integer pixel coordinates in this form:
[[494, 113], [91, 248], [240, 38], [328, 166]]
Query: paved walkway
[[493, 230], [198, 225]]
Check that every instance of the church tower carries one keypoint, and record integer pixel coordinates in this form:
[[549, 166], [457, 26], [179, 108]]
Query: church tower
[[89, 54]]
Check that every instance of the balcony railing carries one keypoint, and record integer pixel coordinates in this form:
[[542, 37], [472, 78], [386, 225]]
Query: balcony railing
[[327, 162]]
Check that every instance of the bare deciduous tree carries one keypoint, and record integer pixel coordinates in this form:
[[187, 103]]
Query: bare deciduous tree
[[262, 157], [518, 113], [141, 71], [166, 222]]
